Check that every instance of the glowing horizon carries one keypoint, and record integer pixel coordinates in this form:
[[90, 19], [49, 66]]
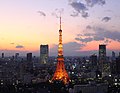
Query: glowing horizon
[[25, 25]]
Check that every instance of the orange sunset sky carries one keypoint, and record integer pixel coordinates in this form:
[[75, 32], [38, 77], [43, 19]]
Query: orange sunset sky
[[26, 24]]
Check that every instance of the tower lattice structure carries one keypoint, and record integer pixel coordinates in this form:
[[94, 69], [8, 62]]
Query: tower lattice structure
[[60, 73]]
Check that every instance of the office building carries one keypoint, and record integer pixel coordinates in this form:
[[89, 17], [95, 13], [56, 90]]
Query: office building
[[2, 55], [44, 54], [16, 55], [118, 65], [113, 55], [102, 53], [29, 57], [93, 60], [113, 63], [102, 59]]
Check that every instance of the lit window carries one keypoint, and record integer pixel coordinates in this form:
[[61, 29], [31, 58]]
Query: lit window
[[115, 79]]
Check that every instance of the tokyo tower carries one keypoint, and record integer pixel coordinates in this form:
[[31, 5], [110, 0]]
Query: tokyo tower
[[60, 73]]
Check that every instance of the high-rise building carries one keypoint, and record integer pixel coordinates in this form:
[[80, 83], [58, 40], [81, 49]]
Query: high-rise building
[[29, 64], [93, 59], [113, 55], [113, 63], [118, 65], [2, 55], [16, 55], [102, 53], [44, 54], [94, 62], [60, 73], [104, 65], [29, 57]]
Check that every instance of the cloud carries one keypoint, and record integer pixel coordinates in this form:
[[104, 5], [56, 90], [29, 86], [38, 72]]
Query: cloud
[[83, 7], [80, 8], [57, 12], [91, 3], [41, 13], [99, 34], [107, 41], [73, 46], [88, 27], [19, 46], [85, 40], [105, 33], [12, 43], [85, 14], [98, 38], [106, 19], [69, 48], [74, 14], [88, 34]]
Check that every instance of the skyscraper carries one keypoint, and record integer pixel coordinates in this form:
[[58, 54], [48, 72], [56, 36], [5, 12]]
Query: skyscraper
[[93, 59], [16, 55], [113, 55], [118, 65], [113, 63], [2, 55], [29, 57], [44, 54], [60, 73], [29, 61], [102, 53], [104, 66]]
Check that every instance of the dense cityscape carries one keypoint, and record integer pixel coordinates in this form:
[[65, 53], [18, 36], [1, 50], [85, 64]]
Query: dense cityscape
[[31, 74]]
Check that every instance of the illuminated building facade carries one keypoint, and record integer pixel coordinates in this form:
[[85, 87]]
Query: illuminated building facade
[[102, 53], [44, 54], [104, 66], [102, 58], [60, 73]]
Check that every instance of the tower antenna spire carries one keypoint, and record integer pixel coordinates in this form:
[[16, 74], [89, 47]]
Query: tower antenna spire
[[60, 21]]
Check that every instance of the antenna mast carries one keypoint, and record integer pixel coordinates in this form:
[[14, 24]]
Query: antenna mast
[[60, 21]]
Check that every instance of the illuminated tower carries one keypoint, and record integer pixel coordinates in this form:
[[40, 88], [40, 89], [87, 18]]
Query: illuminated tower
[[60, 73]]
